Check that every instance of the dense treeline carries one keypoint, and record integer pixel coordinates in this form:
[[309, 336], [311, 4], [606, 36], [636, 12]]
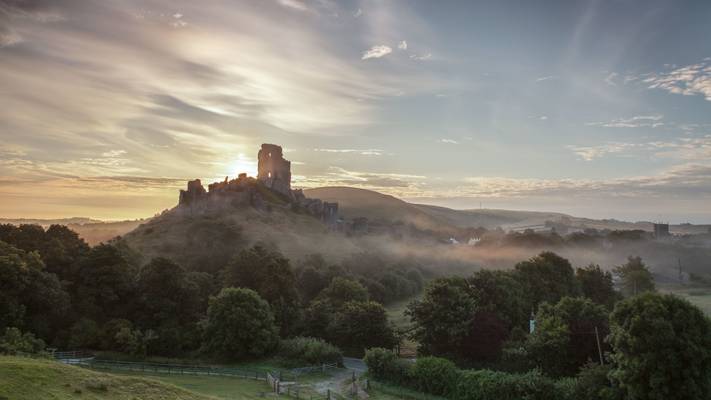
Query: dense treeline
[[53, 285], [584, 339]]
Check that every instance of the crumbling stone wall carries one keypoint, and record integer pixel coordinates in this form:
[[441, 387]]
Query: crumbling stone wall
[[273, 170]]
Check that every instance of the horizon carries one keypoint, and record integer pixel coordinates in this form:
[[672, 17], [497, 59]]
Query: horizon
[[586, 108]]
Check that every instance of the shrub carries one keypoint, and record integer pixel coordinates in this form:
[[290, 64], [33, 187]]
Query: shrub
[[13, 341], [312, 351], [384, 365], [593, 383], [434, 375], [486, 385]]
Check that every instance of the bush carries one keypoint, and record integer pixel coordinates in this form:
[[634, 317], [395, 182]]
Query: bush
[[385, 365], [13, 341], [593, 383], [239, 324], [486, 385], [434, 375], [311, 351]]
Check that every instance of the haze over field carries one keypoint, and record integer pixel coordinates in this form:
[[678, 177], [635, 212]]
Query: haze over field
[[589, 108]]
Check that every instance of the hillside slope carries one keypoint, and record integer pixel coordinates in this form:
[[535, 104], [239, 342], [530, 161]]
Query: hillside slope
[[354, 202], [31, 379]]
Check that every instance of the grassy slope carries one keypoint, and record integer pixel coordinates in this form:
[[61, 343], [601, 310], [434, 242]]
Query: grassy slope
[[354, 202], [30, 379], [216, 386]]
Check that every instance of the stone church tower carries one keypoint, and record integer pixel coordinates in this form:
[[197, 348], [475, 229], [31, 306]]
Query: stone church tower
[[273, 170]]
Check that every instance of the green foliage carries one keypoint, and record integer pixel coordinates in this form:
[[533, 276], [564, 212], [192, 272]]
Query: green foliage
[[342, 290], [593, 383], [662, 348], [107, 335], [635, 277], [30, 298], [547, 277], [385, 365], [500, 292], [597, 285], [487, 385], [361, 325], [13, 341], [271, 276], [134, 341], [564, 338], [84, 334], [239, 324], [104, 284], [309, 351], [434, 375], [443, 317], [169, 303]]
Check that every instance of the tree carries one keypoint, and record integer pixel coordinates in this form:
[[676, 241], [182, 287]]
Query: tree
[[597, 285], [104, 285], [169, 304], [662, 348], [564, 338], [443, 317], [13, 341], [547, 277], [239, 324], [501, 293], [30, 298], [341, 291], [269, 274], [358, 326], [635, 277]]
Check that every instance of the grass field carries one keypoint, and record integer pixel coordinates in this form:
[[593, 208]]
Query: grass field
[[32, 379], [219, 387]]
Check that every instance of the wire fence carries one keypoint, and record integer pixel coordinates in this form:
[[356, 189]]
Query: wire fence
[[170, 369]]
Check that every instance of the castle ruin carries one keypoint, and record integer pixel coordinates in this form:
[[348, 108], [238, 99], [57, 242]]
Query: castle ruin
[[273, 173], [273, 170]]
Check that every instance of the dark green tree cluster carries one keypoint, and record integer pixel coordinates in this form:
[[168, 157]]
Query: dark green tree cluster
[[104, 298], [475, 320]]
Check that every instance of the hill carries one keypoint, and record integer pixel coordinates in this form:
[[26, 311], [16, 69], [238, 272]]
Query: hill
[[354, 202], [93, 231], [30, 379]]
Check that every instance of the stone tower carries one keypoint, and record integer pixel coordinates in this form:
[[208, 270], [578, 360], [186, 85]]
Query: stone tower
[[273, 170]]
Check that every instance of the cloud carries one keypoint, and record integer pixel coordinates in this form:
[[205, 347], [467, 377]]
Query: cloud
[[589, 153], [448, 141], [694, 79], [610, 78], [294, 4], [422, 57], [358, 13], [639, 121], [684, 149], [402, 45], [366, 152], [545, 78], [376, 52], [543, 117]]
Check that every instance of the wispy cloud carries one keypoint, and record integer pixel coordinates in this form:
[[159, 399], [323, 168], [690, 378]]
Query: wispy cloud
[[448, 141], [545, 78], [365, 152], [694, 79], [639, 121], [589, 153], [421, 57], [377, 52], [610, 78], [683, 149], [402, 45]]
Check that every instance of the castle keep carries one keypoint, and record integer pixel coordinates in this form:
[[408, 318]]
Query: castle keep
[[273, 174]]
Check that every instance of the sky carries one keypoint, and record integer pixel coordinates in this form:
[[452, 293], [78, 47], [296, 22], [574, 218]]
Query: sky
[[599, 108]]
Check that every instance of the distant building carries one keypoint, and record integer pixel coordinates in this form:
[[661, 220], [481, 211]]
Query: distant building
[[661, 231]]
